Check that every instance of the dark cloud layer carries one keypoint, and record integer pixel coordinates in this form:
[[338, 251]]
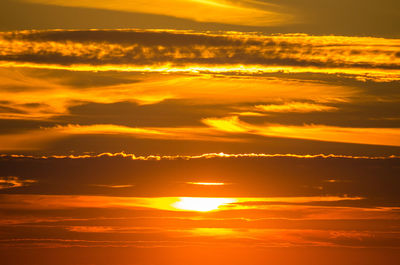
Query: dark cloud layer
[[373, 179], [155, 48]]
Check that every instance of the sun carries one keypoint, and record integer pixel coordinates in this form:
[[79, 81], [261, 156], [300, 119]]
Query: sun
[[201, 204]]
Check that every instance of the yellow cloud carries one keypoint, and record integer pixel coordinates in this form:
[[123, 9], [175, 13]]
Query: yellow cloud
[[375, 136], [37, 139], [220, 11], [207, 155], [294, 107], [14, 182], [36, 97], [227, 124]]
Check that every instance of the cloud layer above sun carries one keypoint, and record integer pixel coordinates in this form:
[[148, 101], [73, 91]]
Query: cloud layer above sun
[[199, 90], [180, 51]]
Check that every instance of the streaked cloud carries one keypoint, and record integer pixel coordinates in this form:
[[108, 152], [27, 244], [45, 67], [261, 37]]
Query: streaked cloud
[[277, 225], [38, 139], [221, 11], [120, 186], [161, 203], [30, 96], [294, 107], [225, 129], [183, 51], [377, 136]]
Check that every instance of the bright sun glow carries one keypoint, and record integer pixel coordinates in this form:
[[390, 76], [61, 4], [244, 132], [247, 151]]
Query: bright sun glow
[[207, 183], [201, 204]]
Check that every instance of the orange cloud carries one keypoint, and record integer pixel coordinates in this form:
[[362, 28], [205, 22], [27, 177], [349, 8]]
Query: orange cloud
[[14, 182], [160, 203], [377, 136], [113, 186], [37, 139], [38, 98]]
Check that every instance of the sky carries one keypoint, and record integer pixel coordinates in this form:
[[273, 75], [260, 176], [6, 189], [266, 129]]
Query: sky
[[199, 131]]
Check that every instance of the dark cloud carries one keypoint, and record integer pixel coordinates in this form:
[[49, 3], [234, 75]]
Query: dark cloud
[[8, 126], [138, 48], [360, 113], [374, 179], [166, 113]]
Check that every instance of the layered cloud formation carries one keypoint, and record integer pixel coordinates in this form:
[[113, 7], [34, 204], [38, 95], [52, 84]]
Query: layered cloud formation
[[171, 51], [220, 90], [199, 132]]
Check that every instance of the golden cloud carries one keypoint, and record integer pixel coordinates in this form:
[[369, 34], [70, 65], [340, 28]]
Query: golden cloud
[[220, 11], [376, 136]]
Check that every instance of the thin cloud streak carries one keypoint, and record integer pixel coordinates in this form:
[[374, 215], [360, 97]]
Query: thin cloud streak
[[36, 139], [294, 107], [188, 157], [161, 203], [225, 129]]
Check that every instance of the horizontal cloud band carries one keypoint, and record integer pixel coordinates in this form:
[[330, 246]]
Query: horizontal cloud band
[[171, 49]]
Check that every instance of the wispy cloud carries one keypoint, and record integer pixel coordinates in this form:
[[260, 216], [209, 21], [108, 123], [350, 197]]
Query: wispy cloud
[[294, 107], [36, 139], [119, 186], [221, 11], [377, 136], [30, 96]]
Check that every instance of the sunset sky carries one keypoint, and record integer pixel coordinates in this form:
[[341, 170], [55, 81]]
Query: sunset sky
[[238, 132]]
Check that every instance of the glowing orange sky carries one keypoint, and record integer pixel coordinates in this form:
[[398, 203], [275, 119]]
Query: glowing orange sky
[[199, 132]]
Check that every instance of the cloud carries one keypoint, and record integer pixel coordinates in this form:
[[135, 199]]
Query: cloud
[[376, 136], [37, 139], [42, 95], [294, 107], [159, 203], [188, 157], [179, 85], [113, 186], [183, 51], [226, 129], [14, 182], [304, 177], [220, 11]]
